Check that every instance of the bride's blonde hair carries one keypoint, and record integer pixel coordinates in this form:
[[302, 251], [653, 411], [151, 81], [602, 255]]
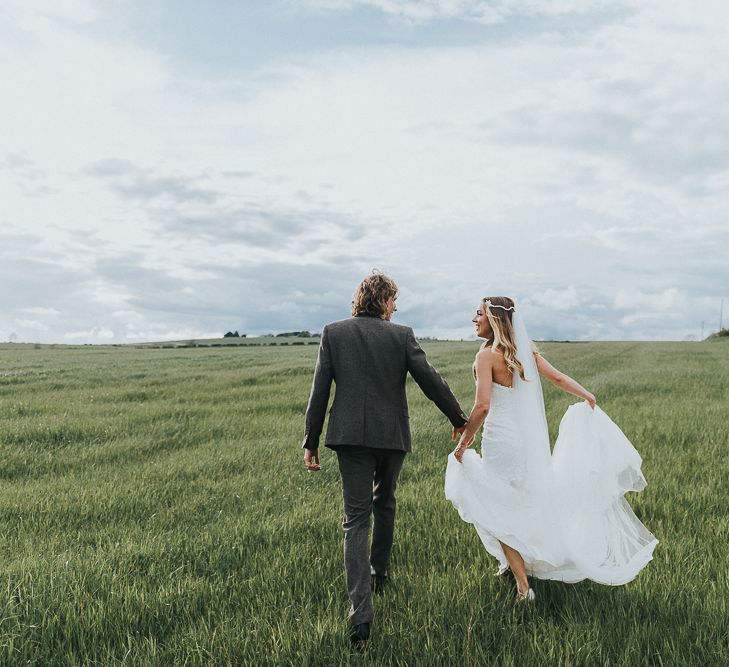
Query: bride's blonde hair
[[499, 310]]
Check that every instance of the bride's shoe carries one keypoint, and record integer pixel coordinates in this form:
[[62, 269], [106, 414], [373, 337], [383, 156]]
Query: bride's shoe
[[503, 569], [528, 595]]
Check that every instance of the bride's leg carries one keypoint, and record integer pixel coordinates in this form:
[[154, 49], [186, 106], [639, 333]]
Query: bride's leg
[[516, 563]]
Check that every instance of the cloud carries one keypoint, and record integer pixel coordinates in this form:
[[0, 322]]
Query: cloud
[[97, 333], [670, 299], [143, 185], [29, 14], [34, 325], [25, 173], [40, 311], [263, 227], [15, 161], [479, 11], [559, 300], [180, 209]]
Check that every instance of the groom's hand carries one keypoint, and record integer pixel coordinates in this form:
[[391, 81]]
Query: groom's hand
[[457, 431], [311, 460]]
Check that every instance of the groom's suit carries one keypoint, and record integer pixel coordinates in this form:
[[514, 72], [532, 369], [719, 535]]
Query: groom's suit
[[368, 359]]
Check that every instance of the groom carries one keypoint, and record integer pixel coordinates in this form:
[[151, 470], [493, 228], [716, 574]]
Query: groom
[[368, 357]]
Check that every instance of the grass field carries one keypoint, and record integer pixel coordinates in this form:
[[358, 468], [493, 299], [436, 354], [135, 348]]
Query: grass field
[[155, 510]]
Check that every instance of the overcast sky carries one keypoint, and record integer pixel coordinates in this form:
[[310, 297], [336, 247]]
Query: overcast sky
[[174, 169]]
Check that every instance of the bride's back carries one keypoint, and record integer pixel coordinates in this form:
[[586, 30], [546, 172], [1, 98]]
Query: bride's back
[[500, 371]]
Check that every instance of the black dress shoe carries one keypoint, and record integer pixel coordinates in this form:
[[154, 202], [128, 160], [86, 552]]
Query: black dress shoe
[[379, 582], [358, 636]]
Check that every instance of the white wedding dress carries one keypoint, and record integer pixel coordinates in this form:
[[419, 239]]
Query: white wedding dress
[[563, 512]]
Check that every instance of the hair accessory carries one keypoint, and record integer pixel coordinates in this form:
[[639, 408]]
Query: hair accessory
[[496, 305]]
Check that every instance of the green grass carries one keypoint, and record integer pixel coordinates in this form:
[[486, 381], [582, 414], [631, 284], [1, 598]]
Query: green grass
[[155, 510]]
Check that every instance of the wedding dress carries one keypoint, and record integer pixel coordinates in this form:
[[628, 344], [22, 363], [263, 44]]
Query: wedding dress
[[563, 512]]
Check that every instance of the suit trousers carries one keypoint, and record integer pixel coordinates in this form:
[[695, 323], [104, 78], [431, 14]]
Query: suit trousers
[[369, 477]]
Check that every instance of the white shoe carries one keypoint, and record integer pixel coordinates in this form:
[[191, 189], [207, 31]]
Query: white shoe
[[503, 569], [528, 595]]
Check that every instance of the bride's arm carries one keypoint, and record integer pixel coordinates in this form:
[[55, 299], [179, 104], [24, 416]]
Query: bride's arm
[[482, 402], [562, 381]]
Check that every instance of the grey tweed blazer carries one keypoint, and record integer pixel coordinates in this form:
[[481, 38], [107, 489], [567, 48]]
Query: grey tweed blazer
[[369, 359]]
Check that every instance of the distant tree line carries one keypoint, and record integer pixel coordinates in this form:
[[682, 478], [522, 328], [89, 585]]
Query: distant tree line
[[288, 334], [296, 334]]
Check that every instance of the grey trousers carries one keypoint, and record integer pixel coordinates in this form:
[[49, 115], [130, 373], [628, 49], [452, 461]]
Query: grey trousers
[[369, 477]]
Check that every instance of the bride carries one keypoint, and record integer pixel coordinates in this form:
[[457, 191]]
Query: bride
[[557, 515]]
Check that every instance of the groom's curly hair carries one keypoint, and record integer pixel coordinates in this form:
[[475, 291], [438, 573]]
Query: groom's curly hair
[[371, 295]]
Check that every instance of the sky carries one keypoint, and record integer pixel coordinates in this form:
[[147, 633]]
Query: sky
[[171, 169]]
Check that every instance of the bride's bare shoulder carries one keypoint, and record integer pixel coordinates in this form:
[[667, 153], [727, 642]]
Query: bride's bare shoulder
[[489, 352], [484, 350], [485, 357]]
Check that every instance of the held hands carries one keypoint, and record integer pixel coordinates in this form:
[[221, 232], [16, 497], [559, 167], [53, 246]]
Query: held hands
[[311, 460], [457, 430]]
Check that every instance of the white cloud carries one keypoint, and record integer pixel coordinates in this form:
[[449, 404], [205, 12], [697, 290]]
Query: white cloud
[[97, 333], [128, 315], [38, 12], [480, 11], [40, 311], [670, 299], [33, 325], [558, 299]]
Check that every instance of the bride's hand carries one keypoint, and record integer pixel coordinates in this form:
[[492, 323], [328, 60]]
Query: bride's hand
[[590, 400], [463, 445]]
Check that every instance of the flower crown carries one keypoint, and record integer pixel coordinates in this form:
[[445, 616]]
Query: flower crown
[[488, 304]]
